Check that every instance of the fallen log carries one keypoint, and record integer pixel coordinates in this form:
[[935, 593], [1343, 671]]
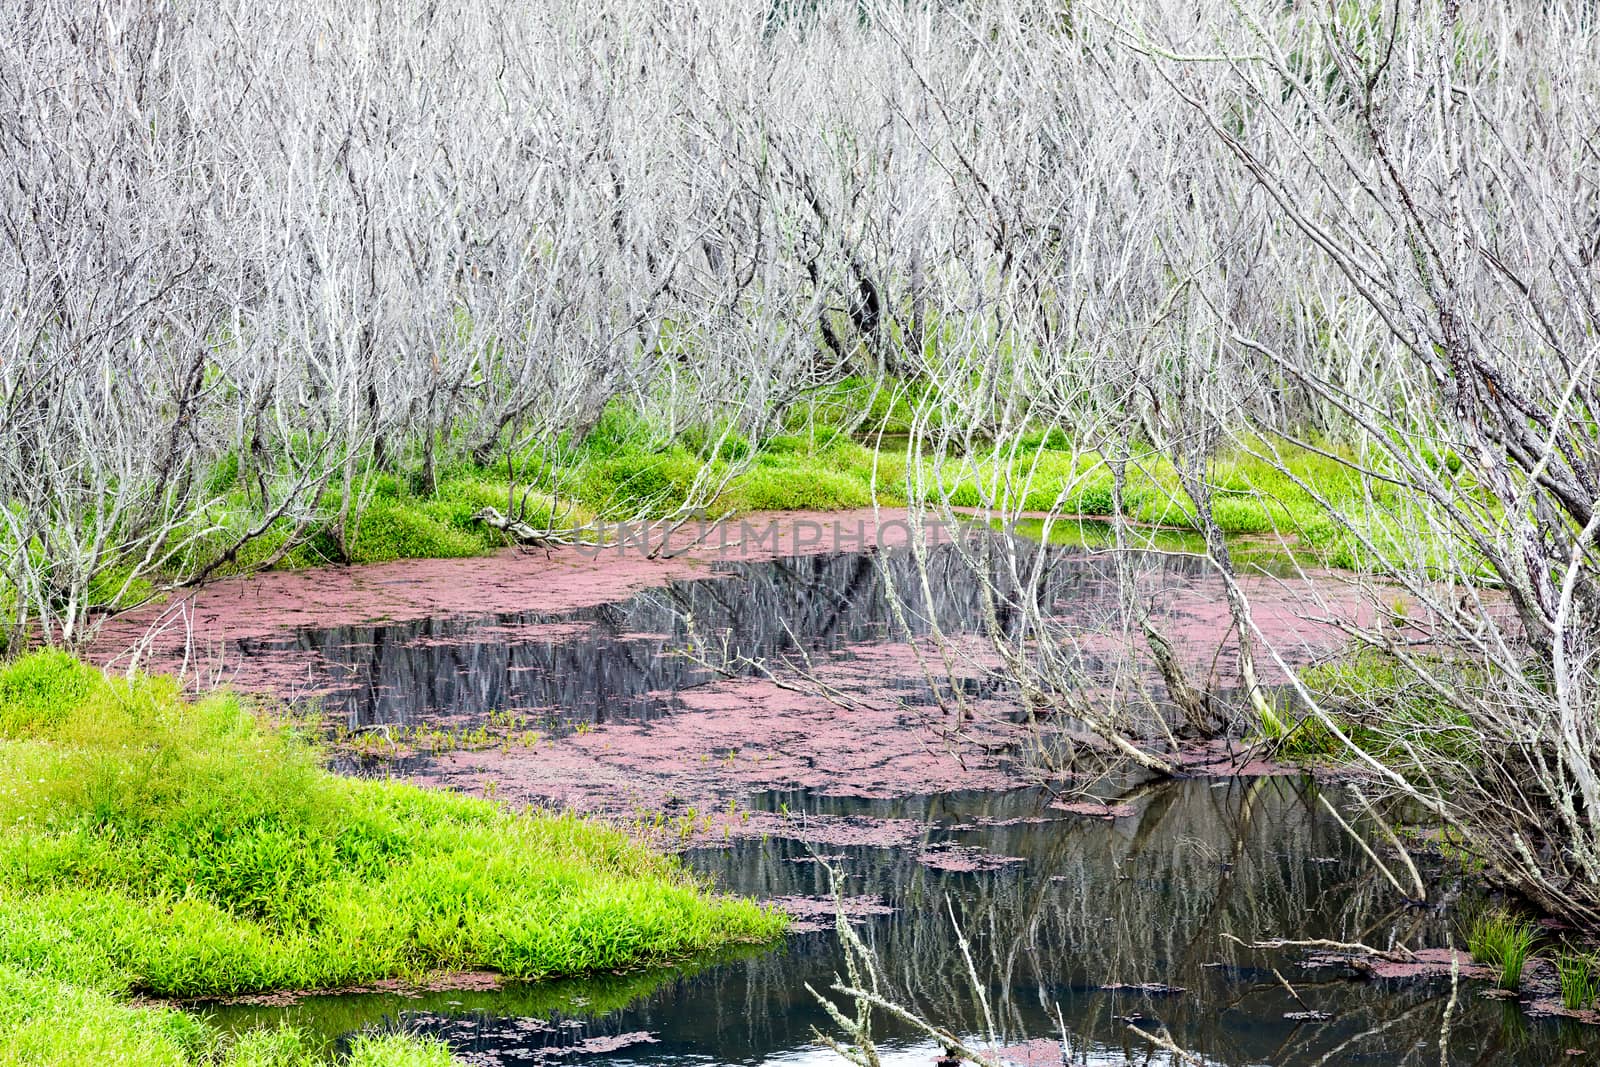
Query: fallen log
[[517, 530]]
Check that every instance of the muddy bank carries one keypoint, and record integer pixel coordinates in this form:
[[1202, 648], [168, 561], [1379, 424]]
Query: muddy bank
[[448, 982]]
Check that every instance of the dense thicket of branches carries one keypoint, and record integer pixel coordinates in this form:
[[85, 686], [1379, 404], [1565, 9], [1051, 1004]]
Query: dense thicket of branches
[[323, 240], [1372, 229]]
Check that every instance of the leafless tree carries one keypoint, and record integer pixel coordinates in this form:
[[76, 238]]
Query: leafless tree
[[253, 260], [1369, 232]]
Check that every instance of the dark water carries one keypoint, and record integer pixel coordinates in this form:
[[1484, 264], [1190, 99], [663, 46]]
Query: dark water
[[1142, 899], [1086, 903]]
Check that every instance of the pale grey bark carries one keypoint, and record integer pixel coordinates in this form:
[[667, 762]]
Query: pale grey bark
[[320, 245]]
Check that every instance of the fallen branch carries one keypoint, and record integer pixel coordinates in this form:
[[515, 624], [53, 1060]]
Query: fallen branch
[[524, 534], [1338, 946]]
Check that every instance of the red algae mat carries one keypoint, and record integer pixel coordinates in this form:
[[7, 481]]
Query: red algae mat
[[183, 636], [860, 725], [737, 737]]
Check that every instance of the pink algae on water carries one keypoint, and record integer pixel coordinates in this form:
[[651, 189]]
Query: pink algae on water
[[723, 740]]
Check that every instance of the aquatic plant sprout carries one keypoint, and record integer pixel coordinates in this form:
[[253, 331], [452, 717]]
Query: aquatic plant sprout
[[1579, 975]]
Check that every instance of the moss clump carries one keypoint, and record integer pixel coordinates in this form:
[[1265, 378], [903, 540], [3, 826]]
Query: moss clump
[[37, 691], [798, 487], [395, 530], [1385, 708], [153, 845]]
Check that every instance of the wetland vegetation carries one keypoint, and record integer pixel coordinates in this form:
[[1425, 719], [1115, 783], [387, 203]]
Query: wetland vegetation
[[173, 849], [1229, 372]]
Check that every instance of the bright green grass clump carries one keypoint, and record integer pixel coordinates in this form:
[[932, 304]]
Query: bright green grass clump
[[846, 449], [156, 846], [1579, 974], [53, 1024], [43, 1022], [1502, 941], [843, 448]]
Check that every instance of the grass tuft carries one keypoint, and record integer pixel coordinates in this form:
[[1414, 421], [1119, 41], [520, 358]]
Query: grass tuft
[[1579, 975], [184, 849], [38, 690], [398, 1050], [1503, 942], [158, 846], [44, 1023]]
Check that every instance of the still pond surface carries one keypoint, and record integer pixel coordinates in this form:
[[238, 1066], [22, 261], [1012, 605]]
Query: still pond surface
[[1060, 908]]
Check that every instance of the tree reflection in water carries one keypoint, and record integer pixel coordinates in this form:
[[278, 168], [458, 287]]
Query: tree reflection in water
[[1144, 898], [1140, 899]]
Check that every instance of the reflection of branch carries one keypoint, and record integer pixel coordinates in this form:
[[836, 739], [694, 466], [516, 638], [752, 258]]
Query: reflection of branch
[[1405, 856], [1285, 983], [740, 666], [1164, 1040], [1449, 1008], [1225, 881], [1317, 942], [1357, 838], [1371, 1031], [966, 1051]]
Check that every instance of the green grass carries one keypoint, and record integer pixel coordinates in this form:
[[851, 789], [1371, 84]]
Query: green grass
[[393, 1050], [1579, 974], [629, 465], [1251, 497], [150, 845], [1375, 700], [1502, 941], [45, 1023], [620, 471], [888, 408]]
